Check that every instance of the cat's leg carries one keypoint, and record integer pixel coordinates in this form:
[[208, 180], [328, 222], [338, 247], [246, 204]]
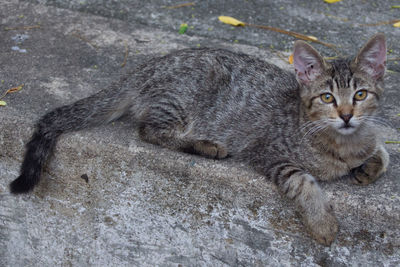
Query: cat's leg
[[318, 214], [372, 168], [173, 136]]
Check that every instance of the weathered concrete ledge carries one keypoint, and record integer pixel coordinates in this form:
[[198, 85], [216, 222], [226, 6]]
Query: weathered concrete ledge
[[147, 206]]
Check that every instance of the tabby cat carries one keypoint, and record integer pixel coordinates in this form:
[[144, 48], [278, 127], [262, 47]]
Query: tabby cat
[[295, 128]]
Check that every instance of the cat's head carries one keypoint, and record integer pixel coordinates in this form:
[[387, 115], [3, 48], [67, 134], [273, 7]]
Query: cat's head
[[343, 94]]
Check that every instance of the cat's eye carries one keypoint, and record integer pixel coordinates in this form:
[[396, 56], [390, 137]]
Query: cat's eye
[[360, 95], [327, 98]]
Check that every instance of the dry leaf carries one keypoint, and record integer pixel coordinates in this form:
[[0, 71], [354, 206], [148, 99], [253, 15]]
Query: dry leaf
[[231, 21], [11, 90], [291, 59], [15, 89], [397, 24], [331, 1], [3, 103]]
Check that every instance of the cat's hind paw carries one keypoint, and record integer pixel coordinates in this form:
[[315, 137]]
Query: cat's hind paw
[[324, 228]]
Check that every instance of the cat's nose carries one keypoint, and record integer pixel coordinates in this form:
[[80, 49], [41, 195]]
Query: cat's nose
[[346, 117]]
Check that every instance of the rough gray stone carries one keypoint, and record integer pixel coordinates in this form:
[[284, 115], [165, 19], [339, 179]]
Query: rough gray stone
[[142, 205]]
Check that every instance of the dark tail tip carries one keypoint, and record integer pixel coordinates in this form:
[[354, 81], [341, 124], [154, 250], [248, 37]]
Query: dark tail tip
[[37, 151], [22, 185]]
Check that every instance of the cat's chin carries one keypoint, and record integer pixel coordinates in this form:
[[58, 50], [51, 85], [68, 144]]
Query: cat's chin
[[347, 130]]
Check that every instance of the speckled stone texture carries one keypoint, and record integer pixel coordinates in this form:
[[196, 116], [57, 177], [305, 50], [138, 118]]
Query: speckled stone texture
[[109, 199]]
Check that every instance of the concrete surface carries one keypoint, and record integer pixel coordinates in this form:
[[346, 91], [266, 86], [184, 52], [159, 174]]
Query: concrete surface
[[146, 206]]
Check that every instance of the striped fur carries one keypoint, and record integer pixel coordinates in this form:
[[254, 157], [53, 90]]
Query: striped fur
[[216, 103]]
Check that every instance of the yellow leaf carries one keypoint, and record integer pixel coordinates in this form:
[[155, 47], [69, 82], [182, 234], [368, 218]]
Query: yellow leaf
[[332, 1], [231, 21], [3, 103], [291, 59], [397, 24]]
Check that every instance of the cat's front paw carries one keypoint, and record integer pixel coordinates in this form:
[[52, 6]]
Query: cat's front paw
[[210, 149], [372, 169], [362, 176], [323, 227]]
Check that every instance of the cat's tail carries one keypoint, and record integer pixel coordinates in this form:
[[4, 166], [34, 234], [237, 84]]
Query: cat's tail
[[100, 108]]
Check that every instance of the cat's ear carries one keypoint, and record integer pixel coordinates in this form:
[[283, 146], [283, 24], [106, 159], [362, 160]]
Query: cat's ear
[[308, 63], [371, 60]]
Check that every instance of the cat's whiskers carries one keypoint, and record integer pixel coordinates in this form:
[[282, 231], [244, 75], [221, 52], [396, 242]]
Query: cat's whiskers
[[316, 127], [318, 131], [373, 120], [310, 124]]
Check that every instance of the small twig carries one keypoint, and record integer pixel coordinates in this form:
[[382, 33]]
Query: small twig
[[238, 23], [181, 5], [334, 17], [22, 28], [1, 97], [126, 54], [294, 34], [382, 23], [141, 40], [77, 35], [394, 59]]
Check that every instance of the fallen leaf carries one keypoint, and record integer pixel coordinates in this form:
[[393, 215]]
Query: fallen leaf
[[3, 103], [183, 28], [397, 24], [291, 59], [15, 89], [331, 1], [231, 21], [395, 6], [12, 90]]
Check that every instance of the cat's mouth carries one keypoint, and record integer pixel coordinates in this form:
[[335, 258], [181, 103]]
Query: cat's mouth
[[347, 129]]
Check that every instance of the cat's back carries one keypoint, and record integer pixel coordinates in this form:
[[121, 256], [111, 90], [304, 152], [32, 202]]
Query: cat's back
[[211, 72]]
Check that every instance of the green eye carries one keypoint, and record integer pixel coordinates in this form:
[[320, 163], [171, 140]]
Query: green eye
[[360, 95], [327, 98]]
